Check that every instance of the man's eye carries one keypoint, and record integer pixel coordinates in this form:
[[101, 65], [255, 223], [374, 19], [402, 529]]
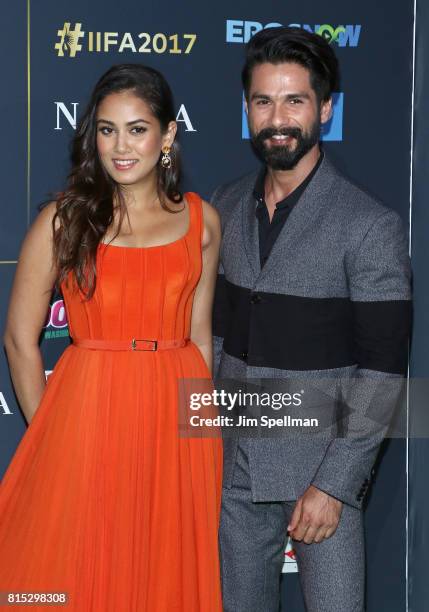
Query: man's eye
[[262, 102], [296, 101]]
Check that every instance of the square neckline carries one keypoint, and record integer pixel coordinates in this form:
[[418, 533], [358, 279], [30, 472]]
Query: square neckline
[[157, 246]]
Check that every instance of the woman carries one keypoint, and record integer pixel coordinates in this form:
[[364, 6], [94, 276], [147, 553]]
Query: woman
[[103, 499]]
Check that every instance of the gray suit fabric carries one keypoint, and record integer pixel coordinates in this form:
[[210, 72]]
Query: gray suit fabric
[[338, 242], [252, 552]]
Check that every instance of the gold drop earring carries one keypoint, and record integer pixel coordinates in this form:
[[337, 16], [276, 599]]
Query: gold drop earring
[[166, 158]]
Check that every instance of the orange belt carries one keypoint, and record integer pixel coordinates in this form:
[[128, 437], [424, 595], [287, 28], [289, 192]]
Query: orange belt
[[135, 344]]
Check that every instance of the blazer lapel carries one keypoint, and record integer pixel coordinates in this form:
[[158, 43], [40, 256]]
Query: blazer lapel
[[250, 229], [302, 215]]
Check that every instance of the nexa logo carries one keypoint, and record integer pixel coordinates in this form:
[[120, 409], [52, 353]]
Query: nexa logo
[[70, 114], [4, 408], [331, 131], [342, 35]]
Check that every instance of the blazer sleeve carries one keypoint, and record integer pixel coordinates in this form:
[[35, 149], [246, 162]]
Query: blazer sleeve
[[379, 282]]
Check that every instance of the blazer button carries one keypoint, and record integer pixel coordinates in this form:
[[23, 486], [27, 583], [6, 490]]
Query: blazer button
[[244, 356], [255, 299]]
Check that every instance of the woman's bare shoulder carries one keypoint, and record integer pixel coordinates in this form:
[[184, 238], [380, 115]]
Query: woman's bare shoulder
[[43, 220], [212, 228], [211, 215], [40, 233]]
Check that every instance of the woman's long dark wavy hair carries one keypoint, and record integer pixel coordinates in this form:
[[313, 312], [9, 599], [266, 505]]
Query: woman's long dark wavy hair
[[85, 209]]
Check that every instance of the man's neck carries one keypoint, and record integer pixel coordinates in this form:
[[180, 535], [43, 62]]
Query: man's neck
[[280, 183]]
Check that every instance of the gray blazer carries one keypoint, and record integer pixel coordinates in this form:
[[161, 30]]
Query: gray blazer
[[332, 301]]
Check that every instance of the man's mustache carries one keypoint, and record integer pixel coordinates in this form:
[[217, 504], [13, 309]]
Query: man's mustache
[[269, 132]]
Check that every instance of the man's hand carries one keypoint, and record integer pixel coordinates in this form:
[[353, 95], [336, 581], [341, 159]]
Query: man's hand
[[315, 517]]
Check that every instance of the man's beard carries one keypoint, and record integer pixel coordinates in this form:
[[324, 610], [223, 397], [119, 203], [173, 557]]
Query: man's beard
[[279, 157]]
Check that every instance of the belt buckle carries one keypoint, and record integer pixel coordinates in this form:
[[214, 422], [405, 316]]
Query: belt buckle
[[134, 344]]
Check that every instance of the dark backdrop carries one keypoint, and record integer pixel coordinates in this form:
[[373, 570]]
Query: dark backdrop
[[369, 139]]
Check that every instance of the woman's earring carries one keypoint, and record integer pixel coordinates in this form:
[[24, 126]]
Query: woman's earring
[[166, 158]]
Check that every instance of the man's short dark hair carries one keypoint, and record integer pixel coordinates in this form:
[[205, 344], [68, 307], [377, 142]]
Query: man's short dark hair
[[284, 44]]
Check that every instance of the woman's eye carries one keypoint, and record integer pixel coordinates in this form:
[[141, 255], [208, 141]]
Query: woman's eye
[[108, 130]]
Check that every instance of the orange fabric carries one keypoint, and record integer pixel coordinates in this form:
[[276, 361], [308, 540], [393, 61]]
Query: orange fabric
[[102, 498]]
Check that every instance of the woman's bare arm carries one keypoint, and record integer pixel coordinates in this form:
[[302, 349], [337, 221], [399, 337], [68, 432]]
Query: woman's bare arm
[[201, 323], [31, 291]]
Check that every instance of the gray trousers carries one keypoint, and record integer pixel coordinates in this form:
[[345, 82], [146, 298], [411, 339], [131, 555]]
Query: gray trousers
[[252, 543]]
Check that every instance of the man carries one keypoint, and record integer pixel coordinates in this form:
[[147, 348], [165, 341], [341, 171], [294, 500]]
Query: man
[[314, 282]]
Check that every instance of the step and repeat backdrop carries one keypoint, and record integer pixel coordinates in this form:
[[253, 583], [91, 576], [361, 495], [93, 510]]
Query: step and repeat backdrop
[[56, 50], [419, 366]]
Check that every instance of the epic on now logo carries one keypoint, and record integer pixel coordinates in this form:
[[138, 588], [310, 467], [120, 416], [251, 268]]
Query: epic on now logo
[[331, 131], [343, 35]]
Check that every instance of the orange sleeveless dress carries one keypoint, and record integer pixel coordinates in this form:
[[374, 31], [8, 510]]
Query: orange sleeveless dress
[[103, 498]]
